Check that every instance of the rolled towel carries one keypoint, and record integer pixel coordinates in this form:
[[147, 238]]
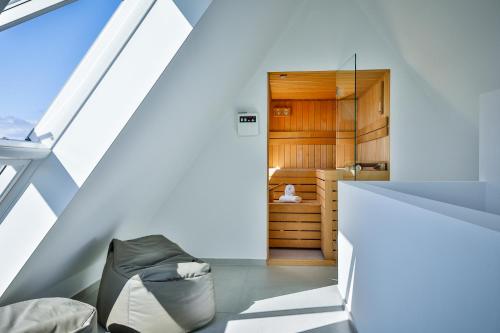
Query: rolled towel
[[289, 195]]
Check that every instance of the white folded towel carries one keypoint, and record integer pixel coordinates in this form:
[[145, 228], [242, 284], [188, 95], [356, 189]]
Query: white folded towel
[[289, 195]]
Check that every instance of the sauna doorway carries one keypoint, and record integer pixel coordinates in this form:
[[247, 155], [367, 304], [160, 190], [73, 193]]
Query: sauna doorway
[[323, 126]]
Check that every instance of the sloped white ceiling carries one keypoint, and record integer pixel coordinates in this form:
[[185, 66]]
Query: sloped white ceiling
[[454, 45]]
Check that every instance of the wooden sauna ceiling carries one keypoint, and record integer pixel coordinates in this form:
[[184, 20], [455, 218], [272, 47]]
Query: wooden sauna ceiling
[[302, 85], [364, 80], [321, 85]]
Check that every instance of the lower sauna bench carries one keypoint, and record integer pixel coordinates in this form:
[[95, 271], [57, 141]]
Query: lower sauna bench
[[295, 225]]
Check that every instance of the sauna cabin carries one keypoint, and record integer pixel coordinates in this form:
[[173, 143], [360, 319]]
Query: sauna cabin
[[323, 127]]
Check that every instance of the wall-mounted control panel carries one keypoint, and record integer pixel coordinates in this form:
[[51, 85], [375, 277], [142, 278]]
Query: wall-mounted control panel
[[248, 124]]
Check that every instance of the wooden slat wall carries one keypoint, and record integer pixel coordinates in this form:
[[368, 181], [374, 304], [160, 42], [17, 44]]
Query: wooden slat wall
[[326, 181], [373, 127], [327, 196], [307, 153], [345, 134]]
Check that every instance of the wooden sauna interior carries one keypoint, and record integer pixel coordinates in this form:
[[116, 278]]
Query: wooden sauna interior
[[315, 138]]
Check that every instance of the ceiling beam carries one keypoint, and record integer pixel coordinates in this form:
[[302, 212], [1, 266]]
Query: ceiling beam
[[26, 10]]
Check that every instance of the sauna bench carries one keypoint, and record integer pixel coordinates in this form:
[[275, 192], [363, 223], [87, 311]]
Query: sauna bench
[[311, 223]]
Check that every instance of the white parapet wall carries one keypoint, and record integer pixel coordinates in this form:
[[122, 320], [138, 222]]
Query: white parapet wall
[[489, 147], [413, 259], [489, 136]]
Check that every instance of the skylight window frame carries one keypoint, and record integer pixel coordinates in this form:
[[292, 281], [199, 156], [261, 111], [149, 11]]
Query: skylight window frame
[[25, 157], [22, 150], [19, 12], [90, 71], [69, 101]]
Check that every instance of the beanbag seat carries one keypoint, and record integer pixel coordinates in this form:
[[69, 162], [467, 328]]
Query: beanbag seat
[[150, 284], [54, 315]]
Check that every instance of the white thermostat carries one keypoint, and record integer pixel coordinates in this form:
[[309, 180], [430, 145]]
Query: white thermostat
[[248, 124]]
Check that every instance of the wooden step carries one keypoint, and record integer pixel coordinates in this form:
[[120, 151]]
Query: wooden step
[[305, 207], [295, 243], [294, 226], [294, 217]]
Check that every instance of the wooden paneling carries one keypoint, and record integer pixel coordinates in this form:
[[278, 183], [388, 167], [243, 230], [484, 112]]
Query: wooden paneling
[[327, 196], [373, 125], [344, 154], [312, 223], [364, 80], [296, 243], [305, 139], [293, 173], [302, 134], [377, 134], [294, 226], [373, 175], [298, 217], [369, 105], [276, 180], [300, 262], [306, 116], [345, 115], [294, 234], [374, 151], [303, 85], [302, 141], [302, 208]]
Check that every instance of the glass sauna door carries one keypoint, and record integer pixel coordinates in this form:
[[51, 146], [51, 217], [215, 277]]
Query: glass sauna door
[[346, 108], [362, 122]]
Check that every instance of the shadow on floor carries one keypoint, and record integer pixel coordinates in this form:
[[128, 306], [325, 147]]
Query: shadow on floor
[[278, 299]]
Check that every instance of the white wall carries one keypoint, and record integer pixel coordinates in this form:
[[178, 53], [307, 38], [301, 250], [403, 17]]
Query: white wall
[[210, 215], [431, 138], [489, 148], [489, 137], [407, 265], [193, 10], [462, 193]]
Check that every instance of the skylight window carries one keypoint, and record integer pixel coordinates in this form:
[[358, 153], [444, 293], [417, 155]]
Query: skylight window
[[11, 2], [39, 55]]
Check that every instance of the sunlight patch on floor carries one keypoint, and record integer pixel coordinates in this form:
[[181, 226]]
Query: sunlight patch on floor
[[285, 324], [314, 298]]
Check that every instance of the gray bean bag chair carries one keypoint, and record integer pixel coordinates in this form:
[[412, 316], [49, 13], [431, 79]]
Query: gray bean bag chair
[[150, 285], [48, 315]]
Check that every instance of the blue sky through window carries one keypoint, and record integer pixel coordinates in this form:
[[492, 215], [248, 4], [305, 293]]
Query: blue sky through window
[[38, 56]]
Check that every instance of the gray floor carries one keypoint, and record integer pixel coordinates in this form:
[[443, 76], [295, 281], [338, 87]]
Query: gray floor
[[296, 254], [279, 299]]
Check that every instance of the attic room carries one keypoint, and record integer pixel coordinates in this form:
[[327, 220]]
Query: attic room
[[249, 166]]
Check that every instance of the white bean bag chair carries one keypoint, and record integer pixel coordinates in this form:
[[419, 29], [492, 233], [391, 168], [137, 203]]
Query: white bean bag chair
[[151, 285], [48, 315]]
